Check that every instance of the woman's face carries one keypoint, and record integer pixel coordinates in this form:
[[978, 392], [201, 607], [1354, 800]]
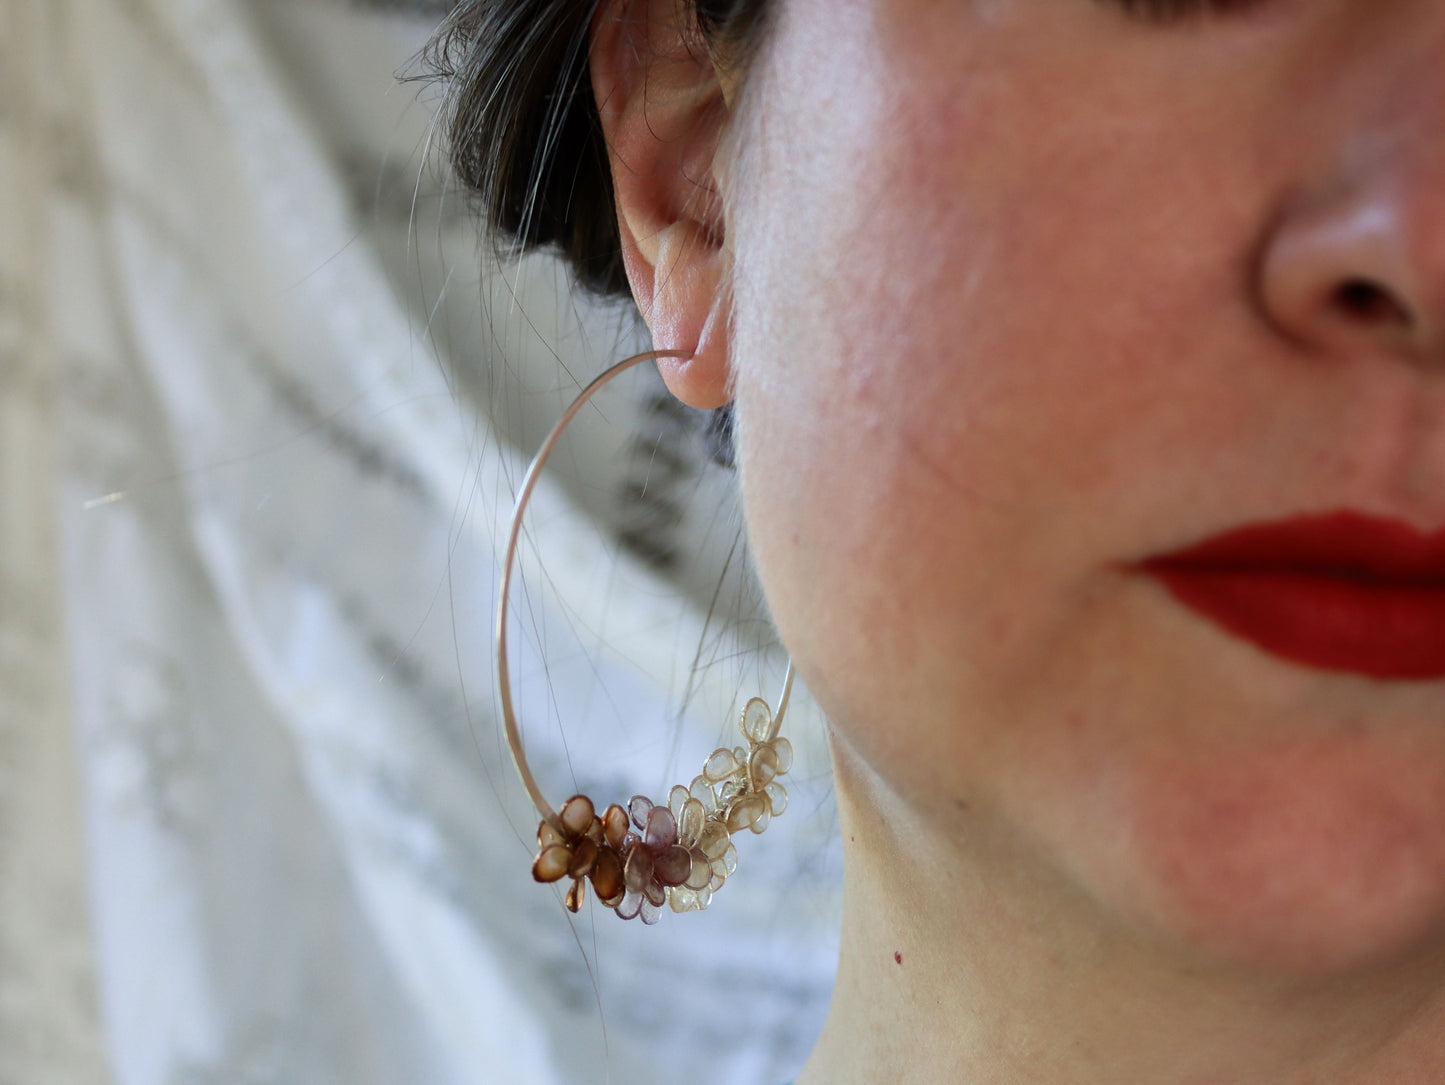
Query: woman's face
[[1029, 292]]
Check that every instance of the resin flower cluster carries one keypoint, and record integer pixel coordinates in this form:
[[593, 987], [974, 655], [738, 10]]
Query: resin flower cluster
[[680, 854]]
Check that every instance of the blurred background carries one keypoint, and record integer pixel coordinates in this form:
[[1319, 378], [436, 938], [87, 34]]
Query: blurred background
[[265, 396]]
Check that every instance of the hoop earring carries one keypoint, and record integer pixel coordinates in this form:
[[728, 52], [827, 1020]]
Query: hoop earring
[[648, 854]]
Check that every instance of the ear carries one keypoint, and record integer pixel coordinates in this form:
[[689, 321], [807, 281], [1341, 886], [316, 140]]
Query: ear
[[663, 113]]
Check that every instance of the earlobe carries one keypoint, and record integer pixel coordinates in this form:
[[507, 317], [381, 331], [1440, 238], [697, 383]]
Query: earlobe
[[690, 308], [663, 113]]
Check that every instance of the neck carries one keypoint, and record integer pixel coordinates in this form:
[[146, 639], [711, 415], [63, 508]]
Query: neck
[[969, 962]]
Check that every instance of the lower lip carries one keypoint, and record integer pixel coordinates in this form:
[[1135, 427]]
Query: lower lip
[[1379, 629]]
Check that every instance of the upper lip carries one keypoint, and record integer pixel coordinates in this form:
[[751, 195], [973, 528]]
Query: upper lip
[[1345, 544]]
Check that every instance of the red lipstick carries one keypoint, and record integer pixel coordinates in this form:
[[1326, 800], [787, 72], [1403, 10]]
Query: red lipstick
[[1341, 591]]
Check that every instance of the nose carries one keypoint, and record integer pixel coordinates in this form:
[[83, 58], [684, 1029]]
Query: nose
[[1366, 275], [1355, 263]]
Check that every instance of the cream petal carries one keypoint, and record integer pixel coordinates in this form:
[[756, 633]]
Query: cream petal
[[720, 766], [777, 798], [757, 720]]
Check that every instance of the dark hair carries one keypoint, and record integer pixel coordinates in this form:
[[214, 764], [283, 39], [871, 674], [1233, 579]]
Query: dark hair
[[523, 131]]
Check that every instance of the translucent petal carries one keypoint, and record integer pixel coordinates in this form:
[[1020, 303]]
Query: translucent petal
[[777, 798], [654, 894], [701, 872], [730, 860], [681, 900], [577, 815], [584, 855], [637, 870], [690, 823], [744, 812], [661, 829], [762, 767], [630, 906], [762, 821], [721, 765], [714, 885], [547, 836], [614, 825], [719, 873], [726, 793], [741, 753], [552, 863], [703, 793], [673, 867], [651, 911], [757, 720], [576, 895], [740, 816], [675, 800], [713, 840], [784, 749], [639, 808], [704, 897], [607, 875]]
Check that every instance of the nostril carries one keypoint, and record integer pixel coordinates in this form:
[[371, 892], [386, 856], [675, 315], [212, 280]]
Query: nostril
[[1368, 303]]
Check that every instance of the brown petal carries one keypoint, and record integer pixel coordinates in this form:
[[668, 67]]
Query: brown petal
[[661, 830], [639, 808], [654, 894], [547, 836], [637, 868], [583, 856], [607, 875], [614, 824], [552, 864], [673, 866], [577, 815], [576, 895], [613, 902]]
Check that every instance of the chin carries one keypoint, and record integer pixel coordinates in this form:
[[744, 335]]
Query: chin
[[1311, 859]]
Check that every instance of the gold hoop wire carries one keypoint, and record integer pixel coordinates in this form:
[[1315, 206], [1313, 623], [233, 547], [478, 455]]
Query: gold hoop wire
[[524, 494]]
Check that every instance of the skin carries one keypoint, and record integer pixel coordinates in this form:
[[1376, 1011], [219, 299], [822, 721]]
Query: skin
[[1012, 295]]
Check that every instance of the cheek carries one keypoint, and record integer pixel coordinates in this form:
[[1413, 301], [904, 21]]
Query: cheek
[[925, 448], [972, 367]]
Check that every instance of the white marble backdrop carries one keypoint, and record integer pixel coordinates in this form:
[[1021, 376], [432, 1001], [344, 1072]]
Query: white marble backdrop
[[261, 414]]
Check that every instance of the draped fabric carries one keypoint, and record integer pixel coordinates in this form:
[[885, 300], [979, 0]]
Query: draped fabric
[[264, 401]]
